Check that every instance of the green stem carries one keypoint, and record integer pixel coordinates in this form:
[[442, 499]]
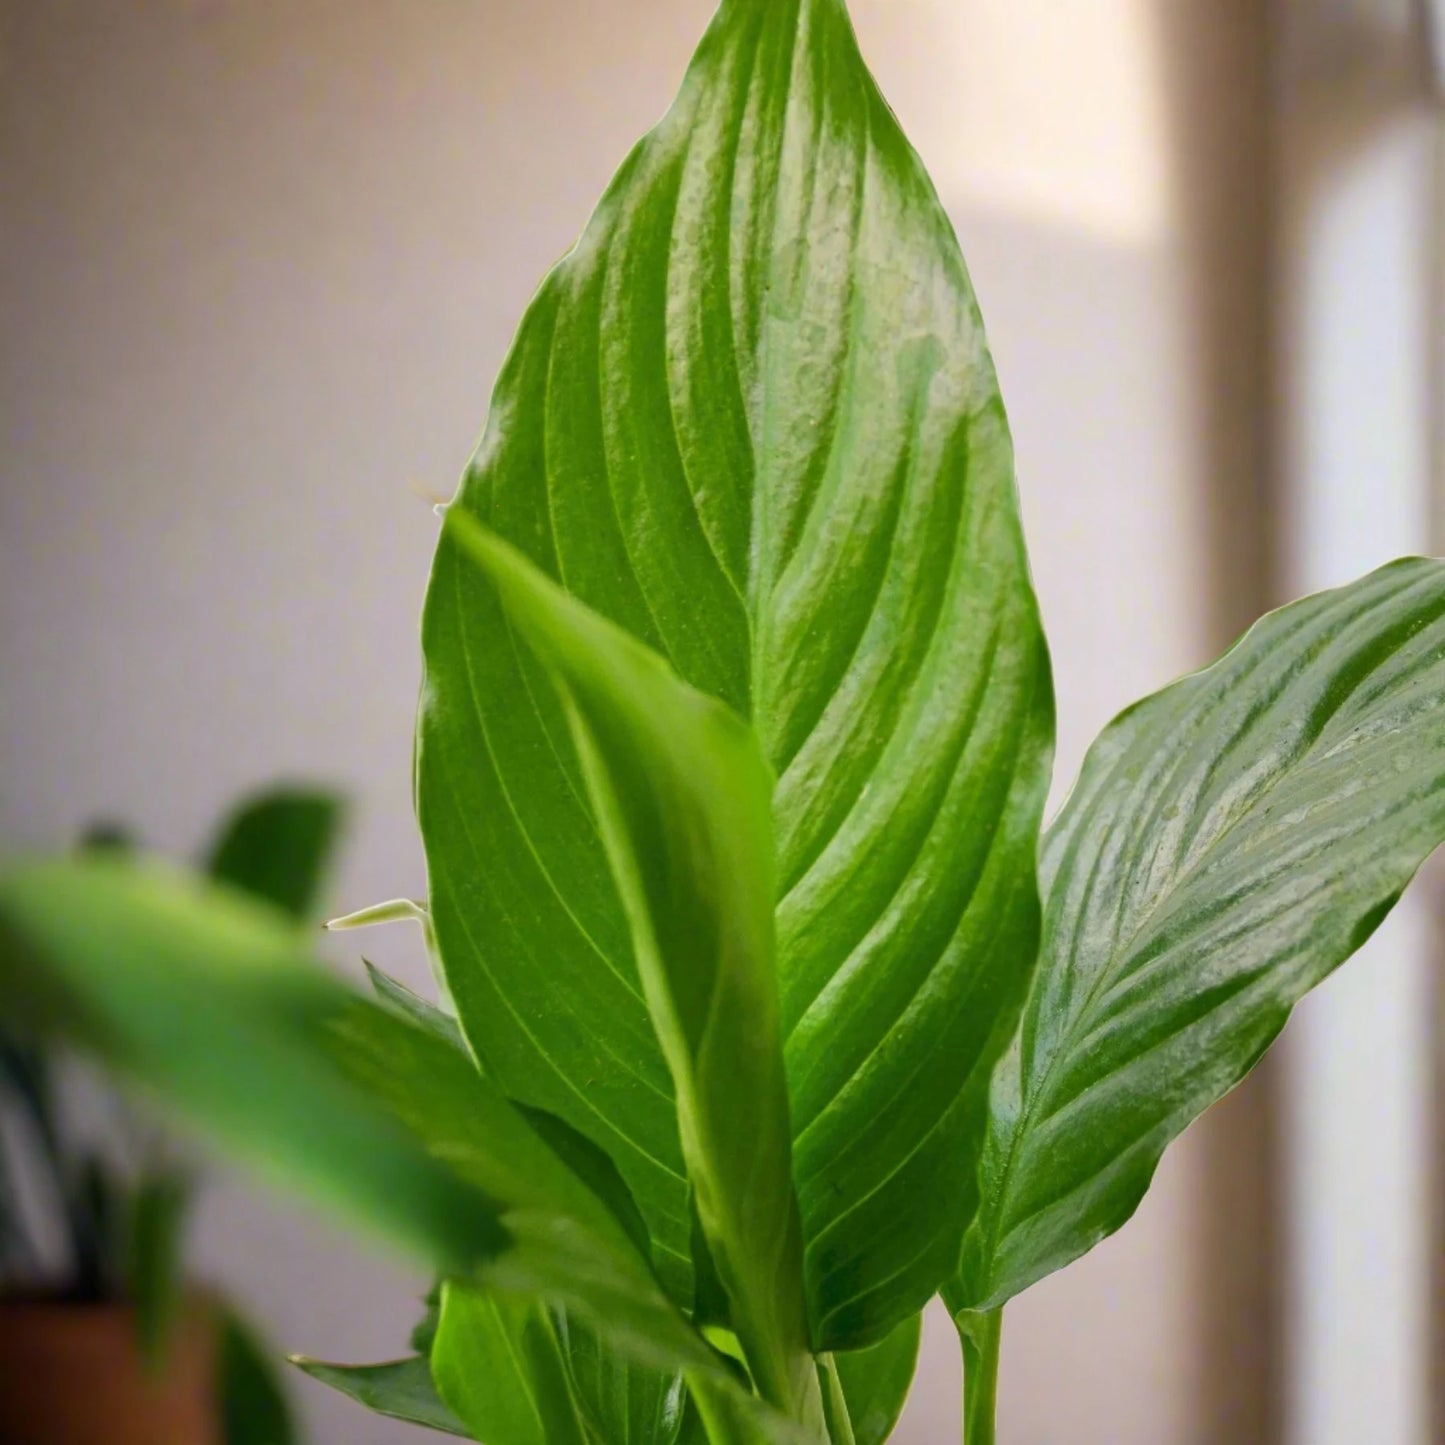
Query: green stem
[[839, 1421], [980, 1333]]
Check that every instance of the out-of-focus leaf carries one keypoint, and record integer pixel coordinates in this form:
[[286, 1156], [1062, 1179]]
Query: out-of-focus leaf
[[277, 847], [681, 795], [752, 419], [875, 1383], [568, 1246], [424, 1332], [96, 1212], [254, 1409], [1231, 840], [594, 1169], [156, 1266], [399, 1389], [566, 1243], [211, 1001]]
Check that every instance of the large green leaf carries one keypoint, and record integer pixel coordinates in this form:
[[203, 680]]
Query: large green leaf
[[752, 419], [212, 1001], [1231, 840], [681, 794]]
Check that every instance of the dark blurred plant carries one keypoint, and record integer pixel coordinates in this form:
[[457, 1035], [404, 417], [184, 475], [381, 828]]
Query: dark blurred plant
[[120, 1203]]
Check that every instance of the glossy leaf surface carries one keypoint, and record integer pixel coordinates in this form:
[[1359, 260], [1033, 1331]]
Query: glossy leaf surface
[[1230, 841], [752, 419], [681, 794]]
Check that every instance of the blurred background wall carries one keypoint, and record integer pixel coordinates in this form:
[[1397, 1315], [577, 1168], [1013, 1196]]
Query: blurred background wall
[[258, 265]]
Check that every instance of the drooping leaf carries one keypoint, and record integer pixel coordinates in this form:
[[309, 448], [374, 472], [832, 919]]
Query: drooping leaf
[[875, 1382], [399, 1389], [277, 847], [190, 988], [253, 1405], [1231, 840], [212, 1002], [565, 1243], [752, 419], [498, 1365], [681, 793]]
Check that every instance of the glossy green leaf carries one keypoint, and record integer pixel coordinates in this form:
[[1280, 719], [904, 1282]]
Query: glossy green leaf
[[278, 846], [875, 1383], [681, 795], [212, 1001], [1231, 840], [498, 1365], [399, 1389], [752, 419]]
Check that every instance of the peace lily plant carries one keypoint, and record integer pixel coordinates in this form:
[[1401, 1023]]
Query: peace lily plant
[[768, 1011]]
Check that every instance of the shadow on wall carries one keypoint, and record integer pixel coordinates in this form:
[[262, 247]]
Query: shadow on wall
[[1225, 163], [1134, 356]]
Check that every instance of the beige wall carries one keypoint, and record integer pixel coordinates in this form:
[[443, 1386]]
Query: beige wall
[[258, 264]]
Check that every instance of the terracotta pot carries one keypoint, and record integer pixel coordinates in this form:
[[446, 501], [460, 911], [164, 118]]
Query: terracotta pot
[[72, 1375]]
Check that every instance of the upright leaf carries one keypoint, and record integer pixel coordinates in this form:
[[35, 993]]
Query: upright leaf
[[752, 419], [1231, 840], [681, 795]]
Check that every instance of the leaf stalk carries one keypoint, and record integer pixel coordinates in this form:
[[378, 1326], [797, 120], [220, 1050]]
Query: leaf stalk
[[980, 1332]]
